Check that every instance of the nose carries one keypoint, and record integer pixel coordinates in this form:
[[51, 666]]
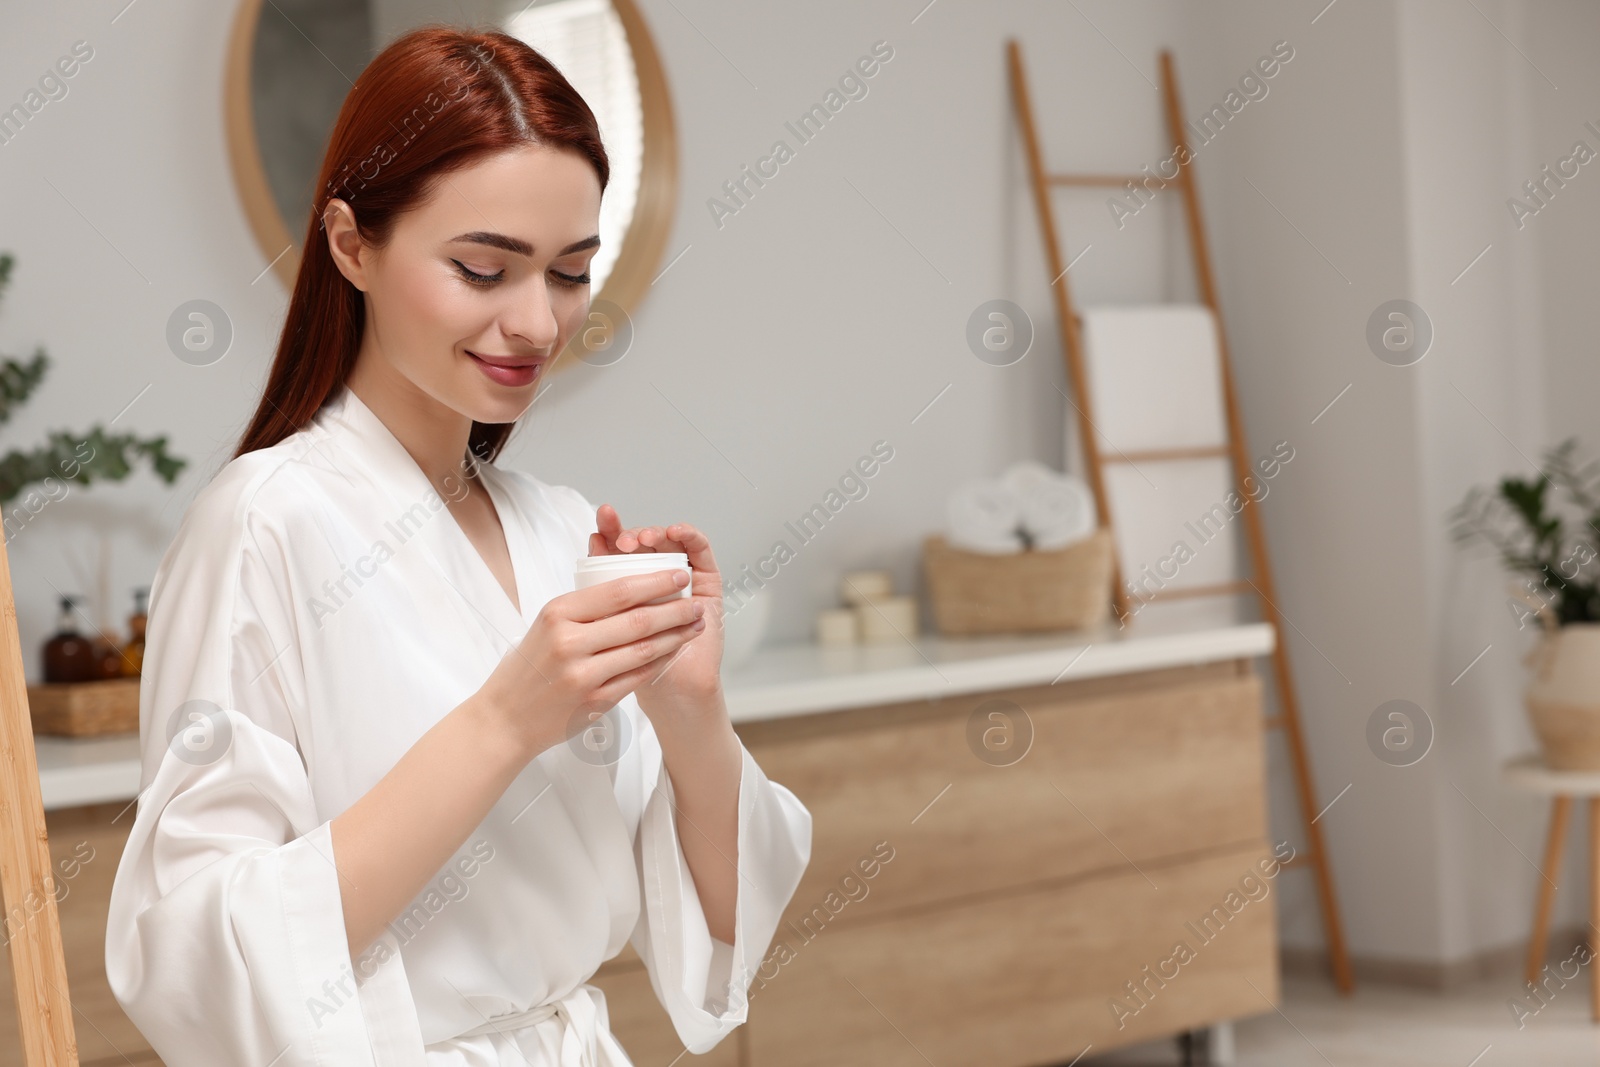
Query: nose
[[530, 318]]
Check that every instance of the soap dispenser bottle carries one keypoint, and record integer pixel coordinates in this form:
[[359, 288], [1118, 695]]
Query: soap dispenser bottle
[[68, 656]]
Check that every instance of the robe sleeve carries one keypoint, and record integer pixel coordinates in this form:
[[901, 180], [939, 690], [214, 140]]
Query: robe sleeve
[[225, 940], [702, 981]]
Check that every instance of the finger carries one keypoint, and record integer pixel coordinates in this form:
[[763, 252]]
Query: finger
[[670, 538], [638, 623], [604, 599], [655, 539], [609, 525], [629, 681], [646, 657], [695, 544]]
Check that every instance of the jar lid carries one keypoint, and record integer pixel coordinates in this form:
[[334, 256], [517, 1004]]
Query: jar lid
[[635, 561]]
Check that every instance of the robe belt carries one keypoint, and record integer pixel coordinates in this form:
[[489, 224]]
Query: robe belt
[[580, 1017]]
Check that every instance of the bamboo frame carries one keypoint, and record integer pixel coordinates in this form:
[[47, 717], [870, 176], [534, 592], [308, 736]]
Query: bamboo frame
[[38, 960], [1156, 455], [1263, 586], [1069, 322]]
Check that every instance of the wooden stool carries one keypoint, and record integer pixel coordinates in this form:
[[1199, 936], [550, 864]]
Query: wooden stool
[[1530, 773]]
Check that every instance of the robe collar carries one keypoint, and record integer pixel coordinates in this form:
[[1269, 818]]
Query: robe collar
[[370, 456], [367, 452]]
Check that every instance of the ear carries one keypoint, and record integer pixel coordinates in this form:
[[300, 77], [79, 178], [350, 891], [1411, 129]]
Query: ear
[[344, 242]]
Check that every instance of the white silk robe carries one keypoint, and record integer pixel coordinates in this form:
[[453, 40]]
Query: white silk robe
[[319, 610]]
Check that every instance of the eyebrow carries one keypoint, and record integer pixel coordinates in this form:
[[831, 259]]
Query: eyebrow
[[521, 247]]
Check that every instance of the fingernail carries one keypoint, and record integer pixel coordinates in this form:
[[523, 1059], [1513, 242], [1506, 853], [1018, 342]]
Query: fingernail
[[680, 579], [699, 624], [699, 610]]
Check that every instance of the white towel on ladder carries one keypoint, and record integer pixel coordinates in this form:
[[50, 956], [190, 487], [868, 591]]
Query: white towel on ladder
[[1155, 382]]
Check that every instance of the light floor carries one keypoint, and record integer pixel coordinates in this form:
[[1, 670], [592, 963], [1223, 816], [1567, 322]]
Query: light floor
[[1389, 1026]]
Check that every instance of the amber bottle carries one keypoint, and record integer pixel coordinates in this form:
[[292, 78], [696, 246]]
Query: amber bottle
[[68, 656], [107, 658], [133, 651]]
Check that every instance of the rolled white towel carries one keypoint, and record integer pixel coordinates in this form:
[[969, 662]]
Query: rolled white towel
[[1058, 514], [1057, 509], [1026, 474], [983, 515]]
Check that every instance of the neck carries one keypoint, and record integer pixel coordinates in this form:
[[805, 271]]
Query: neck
[[435, 435]]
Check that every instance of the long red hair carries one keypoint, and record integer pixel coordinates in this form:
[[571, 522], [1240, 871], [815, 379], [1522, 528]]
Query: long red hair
[[435, 100]]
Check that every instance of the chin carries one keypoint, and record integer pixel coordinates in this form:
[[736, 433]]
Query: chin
[[497, 409]]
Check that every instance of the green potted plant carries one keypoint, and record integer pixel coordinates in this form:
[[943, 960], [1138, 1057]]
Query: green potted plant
[[35, 477], [1548, 541], [65, 457]]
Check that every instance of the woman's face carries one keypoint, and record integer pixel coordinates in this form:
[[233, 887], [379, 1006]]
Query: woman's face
[[482, 284]]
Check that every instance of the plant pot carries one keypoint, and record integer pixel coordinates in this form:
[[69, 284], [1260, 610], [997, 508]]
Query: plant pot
[[1563, 696]]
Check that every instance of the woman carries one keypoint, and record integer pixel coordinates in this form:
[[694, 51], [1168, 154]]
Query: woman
[[375, 825]]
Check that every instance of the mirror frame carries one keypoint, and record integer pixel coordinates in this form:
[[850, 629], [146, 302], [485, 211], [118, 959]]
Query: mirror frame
[[642, 246]]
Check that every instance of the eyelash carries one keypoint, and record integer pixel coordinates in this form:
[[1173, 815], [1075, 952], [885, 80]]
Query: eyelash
[[486, 280]]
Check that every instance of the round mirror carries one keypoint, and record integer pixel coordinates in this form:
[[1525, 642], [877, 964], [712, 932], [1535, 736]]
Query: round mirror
[[291, 63]]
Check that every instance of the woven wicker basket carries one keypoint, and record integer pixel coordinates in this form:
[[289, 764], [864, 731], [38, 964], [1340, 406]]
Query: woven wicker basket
[[1024, 592], [85, 709]]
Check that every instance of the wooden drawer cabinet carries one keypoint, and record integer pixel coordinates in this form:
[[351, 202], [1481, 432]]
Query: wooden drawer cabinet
[[976, 914], [1020, 978], [1116, 772], [1020, 898]]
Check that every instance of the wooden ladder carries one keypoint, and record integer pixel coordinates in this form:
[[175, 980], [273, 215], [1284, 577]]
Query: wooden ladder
[[1262, 586], [31, 924]]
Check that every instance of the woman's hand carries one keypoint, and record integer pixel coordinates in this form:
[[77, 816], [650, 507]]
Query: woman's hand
[[691, 680], [585, 651], [700, 751]]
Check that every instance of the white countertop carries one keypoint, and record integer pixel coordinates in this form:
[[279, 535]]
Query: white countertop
[[805, 678], [798, 679], [87, 770]]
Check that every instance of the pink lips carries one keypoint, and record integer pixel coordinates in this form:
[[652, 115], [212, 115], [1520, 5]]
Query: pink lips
[[508, 370]]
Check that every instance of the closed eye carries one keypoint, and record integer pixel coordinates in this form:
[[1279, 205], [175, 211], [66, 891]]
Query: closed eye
[[571, 281], [475, 278]]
